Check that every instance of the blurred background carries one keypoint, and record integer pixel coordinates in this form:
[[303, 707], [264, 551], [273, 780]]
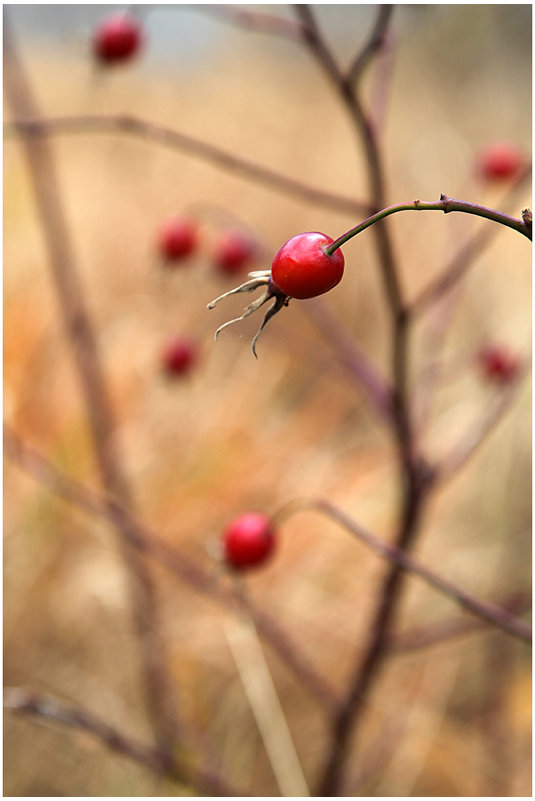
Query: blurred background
[[235, 433]]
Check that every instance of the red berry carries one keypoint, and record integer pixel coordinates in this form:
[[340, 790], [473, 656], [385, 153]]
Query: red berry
[[249, 539], [179, 356], [302, 269], [116, 39], [500, 160], [498, 364], [234, 252], [177, 238]]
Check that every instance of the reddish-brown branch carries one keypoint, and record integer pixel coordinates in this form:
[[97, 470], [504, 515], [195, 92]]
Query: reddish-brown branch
[[346, 351], [254, 21], [461, 452], [488, 611], [79, 332], [35, 704], [414, 473], [38, 127], [374, 43], [425, 636]]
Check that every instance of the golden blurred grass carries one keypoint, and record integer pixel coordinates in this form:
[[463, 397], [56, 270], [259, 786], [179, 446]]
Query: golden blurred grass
[[245, 434]]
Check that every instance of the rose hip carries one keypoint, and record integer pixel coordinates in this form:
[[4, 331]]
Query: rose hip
[[117, 38], [248, 541], [177, 239]]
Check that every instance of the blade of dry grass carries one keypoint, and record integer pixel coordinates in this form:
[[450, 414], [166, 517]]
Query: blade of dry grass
[[265, 705]]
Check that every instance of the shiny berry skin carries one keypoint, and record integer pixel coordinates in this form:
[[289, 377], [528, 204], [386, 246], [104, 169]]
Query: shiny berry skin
[[302, 269], [179, 356], [234, 252], [498, 364], [177, 239], [248, 541], [500, 161], [117, 39]]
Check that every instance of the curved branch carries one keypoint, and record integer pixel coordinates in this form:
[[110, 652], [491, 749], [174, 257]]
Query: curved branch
[[445, 204], [153, 132]]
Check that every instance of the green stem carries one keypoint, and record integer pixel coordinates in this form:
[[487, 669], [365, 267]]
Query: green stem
[[445, 204]]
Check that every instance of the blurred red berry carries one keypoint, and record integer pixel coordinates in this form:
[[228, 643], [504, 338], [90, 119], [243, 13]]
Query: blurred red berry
[[248, 540], [498, 364], [234, 252], [117, 38], [177, 238], [500, 161], [179, 356]]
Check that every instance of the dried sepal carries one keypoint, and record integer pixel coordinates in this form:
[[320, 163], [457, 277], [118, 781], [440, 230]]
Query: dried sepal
[[280, 302], [256, 279]]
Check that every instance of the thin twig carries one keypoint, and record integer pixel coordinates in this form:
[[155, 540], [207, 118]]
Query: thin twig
[[488, 611], [355, 361], [374, 43], [446, 205], [450, 464], [34, 126], [176, 562], [446, 630], [254, 21], [462, 260], [40, 705], [158, 687]]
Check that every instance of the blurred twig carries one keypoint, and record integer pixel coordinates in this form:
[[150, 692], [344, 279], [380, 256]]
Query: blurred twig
[[255, 21], [464, 257], [27, 702], [461, 452], [33, 126], [355, 361], [374, 43], [399, 557], [79, 332], [177, 563], [445, 630]]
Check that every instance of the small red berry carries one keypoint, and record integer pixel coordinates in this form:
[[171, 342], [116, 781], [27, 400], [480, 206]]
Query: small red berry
[[302, 269], [248, 540], [179, 356], [234, 252], [500, 161], [117, 38], [177, 238], [498, 364]]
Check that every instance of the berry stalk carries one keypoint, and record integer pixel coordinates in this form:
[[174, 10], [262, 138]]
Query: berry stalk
[[445, 204]]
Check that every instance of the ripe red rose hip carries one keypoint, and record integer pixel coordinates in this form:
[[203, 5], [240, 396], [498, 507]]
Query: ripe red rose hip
[[248, 541], [179, 356], [500, 161], [117, 38], [498, 364], [302, 269], [233, 252], [177, 239]]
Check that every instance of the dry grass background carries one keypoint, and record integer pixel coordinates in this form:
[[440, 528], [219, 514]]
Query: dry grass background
[[245, 434]]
